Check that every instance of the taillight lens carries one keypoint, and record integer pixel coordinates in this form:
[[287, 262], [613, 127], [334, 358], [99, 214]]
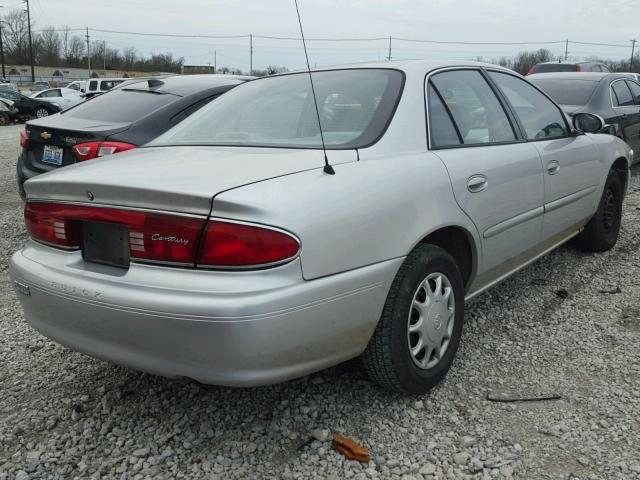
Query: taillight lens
[[578, 68], [152, 236], [227, 244], [90, 150], [24, 139], [531, 70], [165, 238]]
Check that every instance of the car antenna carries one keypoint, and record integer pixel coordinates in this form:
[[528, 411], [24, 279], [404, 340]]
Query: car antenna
[[327, 166]]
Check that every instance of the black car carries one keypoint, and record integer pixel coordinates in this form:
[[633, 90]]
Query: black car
[[121, 119], [613, 96], [29, 107]]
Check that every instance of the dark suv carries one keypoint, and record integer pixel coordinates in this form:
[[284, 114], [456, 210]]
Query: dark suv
[[124, 118], [552, 67]]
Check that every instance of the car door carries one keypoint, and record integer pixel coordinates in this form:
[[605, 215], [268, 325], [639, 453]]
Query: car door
[[627, 111], [495, 175], [632, 118], [571, 163]]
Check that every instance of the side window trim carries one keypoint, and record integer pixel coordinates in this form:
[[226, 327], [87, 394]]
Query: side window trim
[[427, 81], [568, 127]]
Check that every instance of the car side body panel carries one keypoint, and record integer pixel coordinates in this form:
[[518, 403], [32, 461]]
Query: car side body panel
[[333, 215]]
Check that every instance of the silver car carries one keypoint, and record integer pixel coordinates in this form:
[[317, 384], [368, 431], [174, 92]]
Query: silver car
[[225, 251]]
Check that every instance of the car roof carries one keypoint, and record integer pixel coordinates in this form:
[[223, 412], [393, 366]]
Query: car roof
[[419, 66], [585, 76], [555, 62], [186, 84]]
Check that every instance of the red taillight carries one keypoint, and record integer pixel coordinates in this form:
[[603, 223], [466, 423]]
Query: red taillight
[[24, 139], [152, 236], [531, 70], [90, 150], [578, 68], [165, 238], [229, 244]]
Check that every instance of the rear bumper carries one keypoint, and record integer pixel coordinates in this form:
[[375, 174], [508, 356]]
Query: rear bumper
[[24, 173], [236, 329]]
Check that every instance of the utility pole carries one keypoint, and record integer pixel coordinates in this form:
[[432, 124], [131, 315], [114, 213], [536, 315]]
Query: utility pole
[[389, 57], [88, 55], [633, 51], [250, 53], [33, 73], [2, 51], [215, 61], [104, 55], [566, 51]]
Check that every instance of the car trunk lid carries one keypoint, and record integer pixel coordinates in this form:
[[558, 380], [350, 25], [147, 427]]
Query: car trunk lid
[[175, 179], [58, 131]]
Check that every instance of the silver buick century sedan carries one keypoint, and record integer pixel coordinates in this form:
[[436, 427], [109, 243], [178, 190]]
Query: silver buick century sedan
[[231, 251]]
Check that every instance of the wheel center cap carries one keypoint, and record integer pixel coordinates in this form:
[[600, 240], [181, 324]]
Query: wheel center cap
[[436, 316]]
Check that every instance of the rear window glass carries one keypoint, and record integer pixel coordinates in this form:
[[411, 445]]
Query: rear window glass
[[567, 92], [553, 67], [121, 106], [355, 106]]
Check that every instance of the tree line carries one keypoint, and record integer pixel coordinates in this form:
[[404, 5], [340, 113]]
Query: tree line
[[523, 61], [61, 48]]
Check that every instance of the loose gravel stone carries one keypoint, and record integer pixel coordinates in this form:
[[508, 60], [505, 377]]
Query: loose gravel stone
[[67, 416]]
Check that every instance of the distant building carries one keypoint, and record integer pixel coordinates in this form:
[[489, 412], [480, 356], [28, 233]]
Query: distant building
[[22, 73], [197, 69]]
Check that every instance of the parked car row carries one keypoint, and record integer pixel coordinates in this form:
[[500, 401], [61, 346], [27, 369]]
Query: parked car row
[[613, 96], [281, 229]]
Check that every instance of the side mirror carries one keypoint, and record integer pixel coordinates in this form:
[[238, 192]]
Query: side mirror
[[588, 122]]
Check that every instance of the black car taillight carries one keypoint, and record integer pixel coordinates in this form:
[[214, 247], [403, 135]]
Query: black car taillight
[[91, 150], [24, 139]]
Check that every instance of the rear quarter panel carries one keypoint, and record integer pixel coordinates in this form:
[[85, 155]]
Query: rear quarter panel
[[369, 211]]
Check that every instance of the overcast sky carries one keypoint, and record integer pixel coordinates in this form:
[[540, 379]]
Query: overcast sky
[[600, 21]]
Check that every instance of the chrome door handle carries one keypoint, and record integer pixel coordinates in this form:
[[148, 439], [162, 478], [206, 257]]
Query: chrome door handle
[[477, 183], [553, 167]]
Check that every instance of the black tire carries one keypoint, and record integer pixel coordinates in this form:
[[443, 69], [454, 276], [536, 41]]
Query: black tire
[[4, 119], [41, 112], [601, 233], [387, 358]]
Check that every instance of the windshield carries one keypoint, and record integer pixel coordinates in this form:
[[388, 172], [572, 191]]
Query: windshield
[[355, 107], [567, 92]]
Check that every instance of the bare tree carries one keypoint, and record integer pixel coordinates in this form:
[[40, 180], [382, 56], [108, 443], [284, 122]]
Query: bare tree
[[49, 43], [16, 41]]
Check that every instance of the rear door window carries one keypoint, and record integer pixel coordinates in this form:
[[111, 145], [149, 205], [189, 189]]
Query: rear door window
[[539, 116], [121, 105], [476, 111], [93, 85], [635, 91], [442, 131], [621, 94]]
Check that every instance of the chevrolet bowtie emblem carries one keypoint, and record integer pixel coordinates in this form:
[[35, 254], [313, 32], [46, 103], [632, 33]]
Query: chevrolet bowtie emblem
[[45, 135]]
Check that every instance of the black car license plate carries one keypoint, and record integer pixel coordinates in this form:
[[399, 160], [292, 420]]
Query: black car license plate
[[105, 243]]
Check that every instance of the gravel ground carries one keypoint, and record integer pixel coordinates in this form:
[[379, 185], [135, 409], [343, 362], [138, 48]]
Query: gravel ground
[[65, 416]]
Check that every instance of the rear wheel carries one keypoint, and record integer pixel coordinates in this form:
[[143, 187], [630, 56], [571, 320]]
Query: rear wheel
[[41, 112], [601, 233], [417, 337]]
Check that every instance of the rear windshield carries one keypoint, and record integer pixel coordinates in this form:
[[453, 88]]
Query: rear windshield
[[567, 92], [355, 107], [121, 106], [553, 67]]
